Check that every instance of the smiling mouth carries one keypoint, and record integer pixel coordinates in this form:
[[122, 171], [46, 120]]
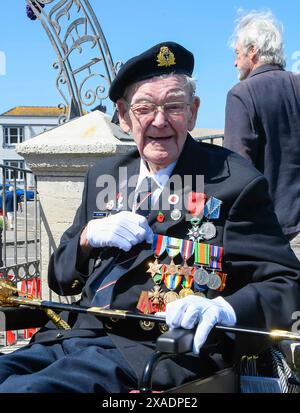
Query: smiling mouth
[[160, 138]]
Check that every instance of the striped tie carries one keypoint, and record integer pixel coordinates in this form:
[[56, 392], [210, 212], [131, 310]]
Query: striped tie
[[144, 197]]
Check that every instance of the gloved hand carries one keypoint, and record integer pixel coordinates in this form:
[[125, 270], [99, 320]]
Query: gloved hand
[[202, 312], [122, 230]]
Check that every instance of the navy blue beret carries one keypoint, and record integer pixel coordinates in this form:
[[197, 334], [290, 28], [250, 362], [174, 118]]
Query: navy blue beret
[[163, 58]]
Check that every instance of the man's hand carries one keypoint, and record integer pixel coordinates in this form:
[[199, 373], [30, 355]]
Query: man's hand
[[192, 311], [122, 230]]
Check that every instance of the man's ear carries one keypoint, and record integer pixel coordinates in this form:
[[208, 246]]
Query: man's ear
[[124, 118], [252, 53], [193, 110]]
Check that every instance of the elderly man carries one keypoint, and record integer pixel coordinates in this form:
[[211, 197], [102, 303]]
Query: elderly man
[[263, 115], [202, 251]]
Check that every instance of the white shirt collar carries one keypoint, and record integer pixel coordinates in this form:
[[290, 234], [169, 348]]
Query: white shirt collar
[[161, 177]]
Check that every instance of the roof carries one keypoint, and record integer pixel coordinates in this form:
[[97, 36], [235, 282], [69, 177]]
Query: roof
[[35, 111], [206, 132]]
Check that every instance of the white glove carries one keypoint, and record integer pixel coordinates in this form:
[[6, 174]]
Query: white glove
[[122, 230], [194, 310]]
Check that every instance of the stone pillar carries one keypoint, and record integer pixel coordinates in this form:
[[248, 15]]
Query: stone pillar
[[59, 158]]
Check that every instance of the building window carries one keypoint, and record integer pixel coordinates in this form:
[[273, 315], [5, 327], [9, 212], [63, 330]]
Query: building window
[[13, 135], [10, 174]]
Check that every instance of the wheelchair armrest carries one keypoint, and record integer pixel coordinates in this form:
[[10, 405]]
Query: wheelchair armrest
[[18, 318], [291, 351], [176, 341]]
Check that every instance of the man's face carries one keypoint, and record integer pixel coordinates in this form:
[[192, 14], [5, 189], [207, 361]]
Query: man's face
[[161, 133], [243, 62]]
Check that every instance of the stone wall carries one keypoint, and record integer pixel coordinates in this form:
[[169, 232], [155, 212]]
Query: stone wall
[[60, 158]]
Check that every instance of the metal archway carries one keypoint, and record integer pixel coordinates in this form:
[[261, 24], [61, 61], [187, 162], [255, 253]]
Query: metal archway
[[85, 65]]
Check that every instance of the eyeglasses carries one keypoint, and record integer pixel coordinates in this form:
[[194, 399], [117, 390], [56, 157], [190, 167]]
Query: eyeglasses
[[146, 109]]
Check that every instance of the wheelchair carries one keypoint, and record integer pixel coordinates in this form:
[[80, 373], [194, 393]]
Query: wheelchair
[[246, 376]]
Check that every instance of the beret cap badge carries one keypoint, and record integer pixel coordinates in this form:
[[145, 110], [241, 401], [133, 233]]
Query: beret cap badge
[[165, 57]]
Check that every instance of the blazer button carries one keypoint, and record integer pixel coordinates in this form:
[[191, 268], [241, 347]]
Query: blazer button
[[75, 284], [59, 335]]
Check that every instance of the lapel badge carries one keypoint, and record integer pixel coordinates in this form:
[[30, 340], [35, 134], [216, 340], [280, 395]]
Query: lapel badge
[[99, 214], [110, 205], [175, 214], [173, 199], [160, 217], [165, 57]]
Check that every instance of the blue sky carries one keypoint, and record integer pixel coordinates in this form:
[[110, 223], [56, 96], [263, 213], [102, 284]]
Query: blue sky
[[131, 26]]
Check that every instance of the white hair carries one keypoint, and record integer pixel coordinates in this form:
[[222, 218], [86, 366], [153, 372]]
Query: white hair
[[11, 188], [190, 84], [261, 30]]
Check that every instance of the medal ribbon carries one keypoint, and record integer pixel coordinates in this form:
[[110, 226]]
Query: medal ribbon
[[202, 253], [159, 244], [173, 246], [212, 208], [172, 281], [187, 283], [187, 249], [216, 254]]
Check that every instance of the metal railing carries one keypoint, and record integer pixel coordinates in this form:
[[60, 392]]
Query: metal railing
[[19, 236]]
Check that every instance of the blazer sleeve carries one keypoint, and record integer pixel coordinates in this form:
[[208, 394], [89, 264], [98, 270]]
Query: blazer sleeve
[[240, 134], [264, 272], [66, 272]]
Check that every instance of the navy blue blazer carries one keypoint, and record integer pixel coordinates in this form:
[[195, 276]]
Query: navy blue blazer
[[262, 123], [263, 283]]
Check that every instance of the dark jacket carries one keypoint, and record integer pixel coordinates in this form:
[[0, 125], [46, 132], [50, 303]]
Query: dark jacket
[[263, 274], [263, 124]]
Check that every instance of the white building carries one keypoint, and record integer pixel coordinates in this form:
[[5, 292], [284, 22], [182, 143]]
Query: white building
[[18, 125]]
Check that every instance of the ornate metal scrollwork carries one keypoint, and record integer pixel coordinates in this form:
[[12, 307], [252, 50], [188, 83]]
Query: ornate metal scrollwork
[[85, 66]]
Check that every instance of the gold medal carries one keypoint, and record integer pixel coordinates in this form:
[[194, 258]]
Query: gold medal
[[170, 296], [200, 294], [185, 291]]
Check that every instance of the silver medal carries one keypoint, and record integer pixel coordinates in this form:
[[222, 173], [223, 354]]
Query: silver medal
[[201, 276], [214, 281], [176, 214], [208, 230]]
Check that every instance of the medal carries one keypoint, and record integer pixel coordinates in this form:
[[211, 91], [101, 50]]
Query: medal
[[200, 293], [156, 295], [175, 214], [214, 281], [158, 246], [216, 254], [201, 276], [186, 250], [154, 270], [170, 296], [202, 253], [194, 233], [208, 230], [173, 248], [185, 291], [212, 208]]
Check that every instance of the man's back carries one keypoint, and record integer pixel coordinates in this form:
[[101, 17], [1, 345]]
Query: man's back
[[263, 124]]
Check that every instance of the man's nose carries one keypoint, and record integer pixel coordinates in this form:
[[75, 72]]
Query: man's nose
[[160, 118]]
